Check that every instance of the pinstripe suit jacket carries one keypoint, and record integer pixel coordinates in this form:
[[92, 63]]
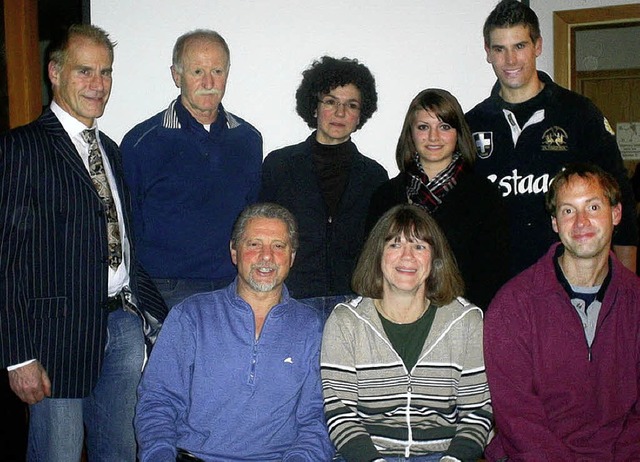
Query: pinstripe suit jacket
[[53, 256]]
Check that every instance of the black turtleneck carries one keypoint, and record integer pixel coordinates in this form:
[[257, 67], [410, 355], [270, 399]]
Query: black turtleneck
[[332, 164]]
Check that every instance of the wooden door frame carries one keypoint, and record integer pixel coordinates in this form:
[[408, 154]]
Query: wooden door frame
[[565, 24], [585, 76], [23, 61]]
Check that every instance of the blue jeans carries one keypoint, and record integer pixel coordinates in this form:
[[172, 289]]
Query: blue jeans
[[325, 305], [56, 426], [173, 291]]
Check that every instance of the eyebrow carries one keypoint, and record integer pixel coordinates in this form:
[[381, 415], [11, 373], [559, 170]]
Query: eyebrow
[[588, 200], [504, 45], [90, 67], [355, 100], [438, 118]]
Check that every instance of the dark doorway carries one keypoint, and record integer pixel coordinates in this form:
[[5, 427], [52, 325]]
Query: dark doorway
[[54, 17]]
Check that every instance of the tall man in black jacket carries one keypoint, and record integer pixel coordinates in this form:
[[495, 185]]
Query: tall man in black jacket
[[530, 128], [74, 304]]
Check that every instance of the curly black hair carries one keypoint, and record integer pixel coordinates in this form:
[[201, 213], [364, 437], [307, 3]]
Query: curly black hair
[[327, 73]]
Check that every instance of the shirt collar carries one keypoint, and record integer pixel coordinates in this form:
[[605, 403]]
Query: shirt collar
[[562, 279], [171, 120], [71, 125], [545, 94]]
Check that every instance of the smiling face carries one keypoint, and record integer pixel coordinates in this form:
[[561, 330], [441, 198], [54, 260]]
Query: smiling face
[[406, 264], [337, 121], [263, 255], [82, 84], [434, 140], [585, 219], [202, 78], [512, 54]]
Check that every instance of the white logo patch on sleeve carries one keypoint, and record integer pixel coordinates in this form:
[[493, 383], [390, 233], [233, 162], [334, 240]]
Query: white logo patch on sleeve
[[607, 126]]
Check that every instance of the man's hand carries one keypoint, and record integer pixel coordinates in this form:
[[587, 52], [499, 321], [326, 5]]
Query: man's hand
[[31, 382]]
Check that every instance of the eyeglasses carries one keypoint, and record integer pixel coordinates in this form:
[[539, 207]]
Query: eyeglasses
[[333, 104]]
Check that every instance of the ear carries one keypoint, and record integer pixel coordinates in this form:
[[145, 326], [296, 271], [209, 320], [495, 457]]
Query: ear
[[54, 73], [234, 254], [293, 258], [487, 50], [616, 214], [538, 46], [554, 224], [177, 77]]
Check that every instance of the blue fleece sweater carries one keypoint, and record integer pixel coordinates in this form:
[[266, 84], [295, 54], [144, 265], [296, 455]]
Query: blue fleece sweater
[[187, 186], [211, 388]]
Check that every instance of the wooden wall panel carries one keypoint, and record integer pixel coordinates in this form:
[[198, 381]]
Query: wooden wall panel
[[616, 93], [23, 61]]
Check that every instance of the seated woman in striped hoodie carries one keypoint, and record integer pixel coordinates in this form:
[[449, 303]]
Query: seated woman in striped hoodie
[[402, 366]]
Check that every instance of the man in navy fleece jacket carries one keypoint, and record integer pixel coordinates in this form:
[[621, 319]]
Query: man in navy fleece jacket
[[191, 169]]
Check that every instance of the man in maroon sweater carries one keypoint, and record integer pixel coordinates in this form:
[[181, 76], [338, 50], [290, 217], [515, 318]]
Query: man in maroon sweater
[[562, 339]]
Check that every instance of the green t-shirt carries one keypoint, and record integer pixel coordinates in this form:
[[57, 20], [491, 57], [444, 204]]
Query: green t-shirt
[[408, 339]]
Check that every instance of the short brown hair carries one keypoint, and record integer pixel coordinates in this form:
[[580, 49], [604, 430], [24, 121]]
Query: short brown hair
[[587, 171], [446, 108], [511, 13], [444, 282], [59, 48]]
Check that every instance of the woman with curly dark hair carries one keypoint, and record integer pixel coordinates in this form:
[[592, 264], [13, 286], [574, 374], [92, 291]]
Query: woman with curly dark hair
[[325, 181]]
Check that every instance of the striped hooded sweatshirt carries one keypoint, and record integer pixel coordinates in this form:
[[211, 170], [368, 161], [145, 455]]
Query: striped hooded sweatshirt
[[375, 407]]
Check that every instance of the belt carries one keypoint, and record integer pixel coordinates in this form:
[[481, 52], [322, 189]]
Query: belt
[[114, 303]]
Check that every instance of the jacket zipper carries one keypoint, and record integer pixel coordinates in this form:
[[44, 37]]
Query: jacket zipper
[[407, 449], [327, 251]]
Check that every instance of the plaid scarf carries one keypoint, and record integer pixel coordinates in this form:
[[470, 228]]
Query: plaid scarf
[[426, 193]]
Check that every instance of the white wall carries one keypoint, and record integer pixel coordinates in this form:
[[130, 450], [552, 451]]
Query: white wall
[[408, 45], [545, 8]]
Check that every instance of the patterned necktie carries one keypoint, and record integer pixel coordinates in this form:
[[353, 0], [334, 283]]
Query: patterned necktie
[[99, 178]]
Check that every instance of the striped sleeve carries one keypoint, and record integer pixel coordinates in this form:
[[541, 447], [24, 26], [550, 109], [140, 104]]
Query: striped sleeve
[[475, 415], [15, 230], [340, 390]]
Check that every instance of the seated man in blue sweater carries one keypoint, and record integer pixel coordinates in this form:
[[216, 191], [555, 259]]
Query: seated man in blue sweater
[[235, 373], [191, 169]]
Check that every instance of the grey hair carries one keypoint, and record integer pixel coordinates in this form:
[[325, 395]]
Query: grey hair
[[265, 210], [59, 48], [196, 35]]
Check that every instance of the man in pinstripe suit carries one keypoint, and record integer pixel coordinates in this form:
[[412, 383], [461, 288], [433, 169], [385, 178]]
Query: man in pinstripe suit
[[72, 318]]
